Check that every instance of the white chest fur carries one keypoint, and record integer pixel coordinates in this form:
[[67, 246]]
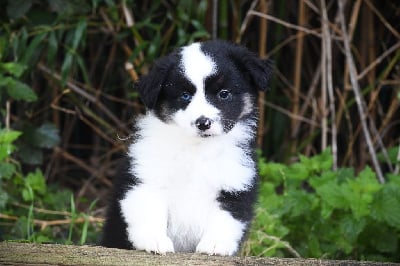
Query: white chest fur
[[181, 177]]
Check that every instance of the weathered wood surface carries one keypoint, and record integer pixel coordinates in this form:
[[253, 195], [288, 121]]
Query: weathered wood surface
[[12, 253]]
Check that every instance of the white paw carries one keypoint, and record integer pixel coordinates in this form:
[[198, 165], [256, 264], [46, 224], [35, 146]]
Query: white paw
[[214, 246], [156, 244]]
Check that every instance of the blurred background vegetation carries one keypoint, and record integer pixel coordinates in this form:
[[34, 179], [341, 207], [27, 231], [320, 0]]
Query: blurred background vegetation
[[329, 136]]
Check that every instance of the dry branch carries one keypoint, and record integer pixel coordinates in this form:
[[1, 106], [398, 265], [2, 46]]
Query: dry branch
[[53, 254], [357, 92], [45, 223]]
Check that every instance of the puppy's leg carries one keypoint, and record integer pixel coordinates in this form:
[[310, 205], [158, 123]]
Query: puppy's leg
[[222, 235], [146, 214]]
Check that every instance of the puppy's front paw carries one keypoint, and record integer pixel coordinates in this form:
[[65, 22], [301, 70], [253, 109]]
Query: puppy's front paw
[[157, 244], [213, 246]]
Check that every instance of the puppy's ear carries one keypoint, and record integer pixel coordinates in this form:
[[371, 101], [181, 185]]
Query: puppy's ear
[[257, 71], [150, 85]]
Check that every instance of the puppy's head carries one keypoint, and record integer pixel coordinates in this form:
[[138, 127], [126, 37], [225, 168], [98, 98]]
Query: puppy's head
[[205, 88]]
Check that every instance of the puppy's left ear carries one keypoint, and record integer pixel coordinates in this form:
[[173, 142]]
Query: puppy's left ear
[[257, 71]]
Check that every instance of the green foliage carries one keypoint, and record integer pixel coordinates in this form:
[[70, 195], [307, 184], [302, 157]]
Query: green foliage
[[306, 209], [10, 86], [29, 201]]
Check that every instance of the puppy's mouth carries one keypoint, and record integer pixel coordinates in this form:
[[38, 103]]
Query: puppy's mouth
[[205, 135]]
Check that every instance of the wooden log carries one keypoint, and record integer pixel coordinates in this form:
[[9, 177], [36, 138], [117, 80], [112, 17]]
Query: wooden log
[[13, 253]]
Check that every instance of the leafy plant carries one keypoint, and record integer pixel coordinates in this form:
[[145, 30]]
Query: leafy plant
[[308, 210], [28, 203]]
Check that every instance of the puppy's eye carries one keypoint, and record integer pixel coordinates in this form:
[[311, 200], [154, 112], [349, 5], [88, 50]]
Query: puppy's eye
[[224, 95], [186, 96]]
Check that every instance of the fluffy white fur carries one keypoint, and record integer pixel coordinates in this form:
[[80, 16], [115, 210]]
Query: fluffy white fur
[[173, 185]]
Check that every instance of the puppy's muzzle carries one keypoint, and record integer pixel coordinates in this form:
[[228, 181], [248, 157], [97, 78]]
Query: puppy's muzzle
[[203, 123]]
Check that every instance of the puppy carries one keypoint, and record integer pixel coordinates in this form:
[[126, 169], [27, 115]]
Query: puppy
[[191, 177]]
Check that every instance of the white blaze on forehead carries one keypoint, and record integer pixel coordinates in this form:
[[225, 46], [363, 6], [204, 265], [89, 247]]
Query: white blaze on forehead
[[196, 65]]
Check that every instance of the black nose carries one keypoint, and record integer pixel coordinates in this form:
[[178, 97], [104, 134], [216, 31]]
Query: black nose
[[203, 123]]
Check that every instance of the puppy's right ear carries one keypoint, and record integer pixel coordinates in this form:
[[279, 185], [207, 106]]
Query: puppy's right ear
[[150, 85]]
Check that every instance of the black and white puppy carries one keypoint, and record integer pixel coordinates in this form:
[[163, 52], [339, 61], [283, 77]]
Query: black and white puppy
[[192, 178]]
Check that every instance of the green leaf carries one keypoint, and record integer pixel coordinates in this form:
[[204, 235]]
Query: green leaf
[[394, 179], [18, 90], [325, 177], [392, 153], [298, 171], [318, 163], [332, 194], [272, 171], [361, 192], [29, 154], [46, 136], [351, 228], [52, 48], [386, 205], [66, 67], [297, 203], [9, 136], [18, 8], [3, 198], [13, 68], [6, 170], [36, 181], [69, 7], [31, 53], [27, 194], [79, 32], [382, 237]]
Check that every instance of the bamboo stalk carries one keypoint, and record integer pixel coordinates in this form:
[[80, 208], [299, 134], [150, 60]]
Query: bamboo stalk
[[262, 47], [356, 88], [297, 73], [328, 80], [246, 20]]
